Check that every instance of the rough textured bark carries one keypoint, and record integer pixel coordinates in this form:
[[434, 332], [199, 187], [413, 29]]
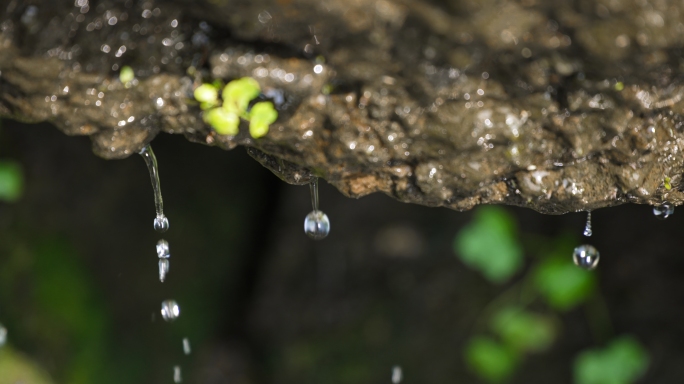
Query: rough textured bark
[[555, 106]]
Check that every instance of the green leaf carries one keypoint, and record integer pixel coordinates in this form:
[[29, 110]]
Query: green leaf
[[126, 75], [490, 360], [11, 181], [622, 362], [262, 115], [207, 95], [238, 93], [524, 331], [563, 284], [223, 122], [489, 244]]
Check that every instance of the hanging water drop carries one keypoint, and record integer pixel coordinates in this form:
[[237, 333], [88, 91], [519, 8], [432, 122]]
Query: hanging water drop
[[316, 223], [587, 227], [663, 211], [586, 257], [397, 374], [161, 223], [170, 310], [186, 346], [177, 374], [3, 335], [164, 266], [163, 249]]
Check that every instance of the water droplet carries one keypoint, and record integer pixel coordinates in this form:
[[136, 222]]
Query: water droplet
[[586, 257], [163, 249], [177, 374], [3, 335], [164, 266], [316, 223], [161, 223], [170, 310], [587, 227], [186, 346], [663, 211], [397, 374]]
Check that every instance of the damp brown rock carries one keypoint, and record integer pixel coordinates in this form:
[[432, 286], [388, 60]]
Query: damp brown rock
[[559, 107]]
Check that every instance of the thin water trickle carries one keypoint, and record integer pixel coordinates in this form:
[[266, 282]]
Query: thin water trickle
[[170, 310], [663, 211], [397, 374], [163, 249], [587, 227], [586, 257], [161, 223], [164, 266], [177, 374], [316, 223], [3, 335], [186, 346]]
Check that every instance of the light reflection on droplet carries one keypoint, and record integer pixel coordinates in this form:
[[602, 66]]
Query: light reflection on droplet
[[177, 378], [586, 256], [186, 346], [397, 374], [663, 211], [170, 310]]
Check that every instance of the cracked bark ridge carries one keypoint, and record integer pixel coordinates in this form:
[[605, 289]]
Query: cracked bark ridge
[[560, 107]]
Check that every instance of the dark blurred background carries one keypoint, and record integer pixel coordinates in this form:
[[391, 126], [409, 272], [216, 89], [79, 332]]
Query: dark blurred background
[[262, 303]]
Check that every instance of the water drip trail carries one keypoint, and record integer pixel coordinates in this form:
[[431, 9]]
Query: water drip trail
[[161, 223], [397, 374], [3, 335], [316, 223], [177, 374], [587, 227], [186, 346], [313, 187]]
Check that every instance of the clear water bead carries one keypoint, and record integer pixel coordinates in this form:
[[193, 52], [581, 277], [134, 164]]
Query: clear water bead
[[163, 249], [3, 335], [586, 257], [170, 310], [317, 225], [397, 374], [186, 346], [663, 211], [177, 374], [164, 266], [161, 223]]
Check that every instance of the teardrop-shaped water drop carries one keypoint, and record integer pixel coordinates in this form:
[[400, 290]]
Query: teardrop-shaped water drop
[[177, 374], [587, 227], [164, 266], [397, 374], [586, 257], [161, 223], [186, 346], [3, 335], [663, 211], [163, 249], [317, 225], [170, 310]]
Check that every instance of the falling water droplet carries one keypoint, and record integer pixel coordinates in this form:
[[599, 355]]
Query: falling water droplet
[[316, 223], [164, 266], [587, 227], [163, 249], [161, 223], [663, 211], [186, 346], [586, 256], [3, 335], [177, 374], [397, 374], [170, 310]]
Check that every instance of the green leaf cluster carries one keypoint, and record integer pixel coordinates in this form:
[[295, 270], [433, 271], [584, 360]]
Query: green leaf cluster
[[225, 115], [11, 181], [622, 362]]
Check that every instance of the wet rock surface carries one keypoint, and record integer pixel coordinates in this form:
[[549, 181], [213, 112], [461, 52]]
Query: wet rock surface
[[562, 106]]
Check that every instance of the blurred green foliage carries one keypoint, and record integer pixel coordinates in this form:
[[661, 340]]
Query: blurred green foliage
[[126, 75], [16, 368], [11, 181], [490, 245], [621, 362]]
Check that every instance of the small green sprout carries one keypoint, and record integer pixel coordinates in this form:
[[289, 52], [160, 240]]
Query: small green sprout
[[126, 75], [224, 122], [238, 93], [207, 95], [619, 86], [667, 183], [261, 117]]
